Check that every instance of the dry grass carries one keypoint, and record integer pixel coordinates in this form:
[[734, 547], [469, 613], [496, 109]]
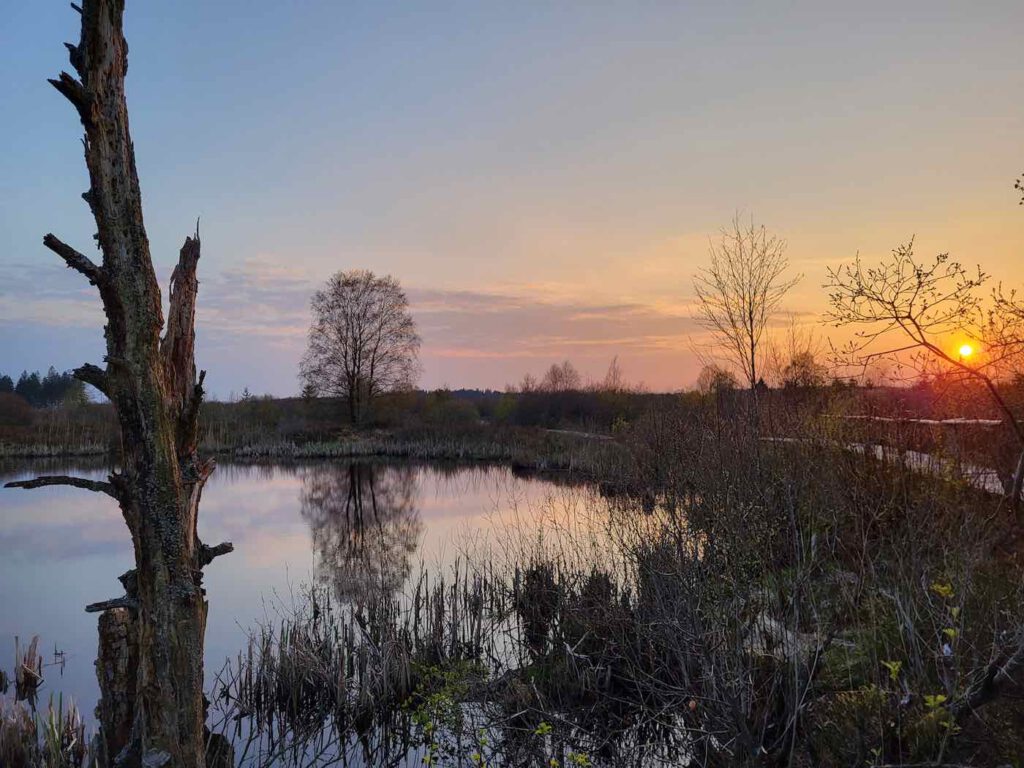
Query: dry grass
[[746, 604], [53, 739]]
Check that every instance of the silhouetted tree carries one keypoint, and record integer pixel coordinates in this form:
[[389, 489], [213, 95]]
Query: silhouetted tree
[[30, 387], [362, 342], [614, 378], [904, 306], [713, 379], [42, 391], [804, 371], [561, 378], [740, 291]]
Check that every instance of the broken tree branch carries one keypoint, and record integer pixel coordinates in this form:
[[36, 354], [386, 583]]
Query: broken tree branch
[[74, 92], [94, 375], [74, 259], [178, 345], [208, 554], [117, 602], [74, 56], [99, 486]]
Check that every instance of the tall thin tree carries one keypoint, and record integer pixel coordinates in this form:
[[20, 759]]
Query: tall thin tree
[[740, 291], [153, 386]]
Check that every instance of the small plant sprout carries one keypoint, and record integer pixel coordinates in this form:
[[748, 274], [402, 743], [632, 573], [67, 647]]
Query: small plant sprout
[[894, 668], [944, 591]]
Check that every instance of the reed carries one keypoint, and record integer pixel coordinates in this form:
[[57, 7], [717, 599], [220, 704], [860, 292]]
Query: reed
[[28, 671], [747, 603], [55, 738], [329, 676]]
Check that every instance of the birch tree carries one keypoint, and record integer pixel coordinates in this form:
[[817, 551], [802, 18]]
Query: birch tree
[[740, 291]]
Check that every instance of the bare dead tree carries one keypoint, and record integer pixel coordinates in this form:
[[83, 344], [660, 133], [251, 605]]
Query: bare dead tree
[[904, 306], [614, 378], [741, 290], [362, 342], [561, 377], [152, 384]]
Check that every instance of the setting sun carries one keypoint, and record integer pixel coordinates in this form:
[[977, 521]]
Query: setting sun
[[966, 350]]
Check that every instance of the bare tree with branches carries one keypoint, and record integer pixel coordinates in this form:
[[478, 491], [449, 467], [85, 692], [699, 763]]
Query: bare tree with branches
[[909, 311], [740, 291], [363, 340], [561, 377], [152, 710]]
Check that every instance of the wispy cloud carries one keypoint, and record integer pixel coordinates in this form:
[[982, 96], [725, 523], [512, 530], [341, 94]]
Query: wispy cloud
[[254, 316], [487, 325], [261, 300]]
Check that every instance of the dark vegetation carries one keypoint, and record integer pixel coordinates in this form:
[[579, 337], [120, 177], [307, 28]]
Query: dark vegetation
[[469, 420], [731, 601], [755, 585], [41, 391], [749, 602]]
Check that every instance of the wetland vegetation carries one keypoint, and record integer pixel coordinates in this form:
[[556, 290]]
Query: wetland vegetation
[[788, 566]]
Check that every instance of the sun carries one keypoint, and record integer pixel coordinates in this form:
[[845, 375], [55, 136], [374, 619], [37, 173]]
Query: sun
[[966, 350]]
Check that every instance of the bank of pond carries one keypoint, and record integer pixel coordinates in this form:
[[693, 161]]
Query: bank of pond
[[790, 604]]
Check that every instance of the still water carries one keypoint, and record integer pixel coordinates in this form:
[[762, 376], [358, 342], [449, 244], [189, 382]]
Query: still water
[[353, 526]]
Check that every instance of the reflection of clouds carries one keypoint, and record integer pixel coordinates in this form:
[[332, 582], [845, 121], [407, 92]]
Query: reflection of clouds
[[252, 505], [365, 525], [255, 506], [56, 523]]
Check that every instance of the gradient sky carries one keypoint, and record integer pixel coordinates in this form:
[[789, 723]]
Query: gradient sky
[[542, 177]]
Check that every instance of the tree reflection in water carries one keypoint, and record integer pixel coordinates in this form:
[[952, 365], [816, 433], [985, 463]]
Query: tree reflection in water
[[365, 526]]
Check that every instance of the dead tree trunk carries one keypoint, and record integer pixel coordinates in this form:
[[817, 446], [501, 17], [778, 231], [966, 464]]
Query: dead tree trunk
[[152, 384]]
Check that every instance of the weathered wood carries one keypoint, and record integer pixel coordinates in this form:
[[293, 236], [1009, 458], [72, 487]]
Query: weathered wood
[[74, 259], [117, 602], [98, 486], [150, 663], [94, 375], [117, 664]]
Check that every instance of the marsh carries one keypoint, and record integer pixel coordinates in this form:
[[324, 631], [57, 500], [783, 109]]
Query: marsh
[[293, 525]]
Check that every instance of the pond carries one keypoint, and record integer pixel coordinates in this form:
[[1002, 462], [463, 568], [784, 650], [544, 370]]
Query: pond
[[352, 526]]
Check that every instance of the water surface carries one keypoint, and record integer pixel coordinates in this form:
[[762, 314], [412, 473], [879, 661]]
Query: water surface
[[355, 526]]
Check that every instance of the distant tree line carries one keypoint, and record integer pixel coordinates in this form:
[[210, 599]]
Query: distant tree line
[[42, 391]]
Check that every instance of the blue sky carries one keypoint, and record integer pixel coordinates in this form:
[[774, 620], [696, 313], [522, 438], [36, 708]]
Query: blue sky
[[542, 177]]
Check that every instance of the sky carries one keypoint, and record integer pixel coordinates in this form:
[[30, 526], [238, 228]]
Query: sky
[[543, 178]]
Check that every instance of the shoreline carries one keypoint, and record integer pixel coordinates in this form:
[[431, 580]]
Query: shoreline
[[540, 452]]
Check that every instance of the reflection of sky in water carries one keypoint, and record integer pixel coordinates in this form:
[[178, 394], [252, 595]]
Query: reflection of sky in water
[[62, 548]]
